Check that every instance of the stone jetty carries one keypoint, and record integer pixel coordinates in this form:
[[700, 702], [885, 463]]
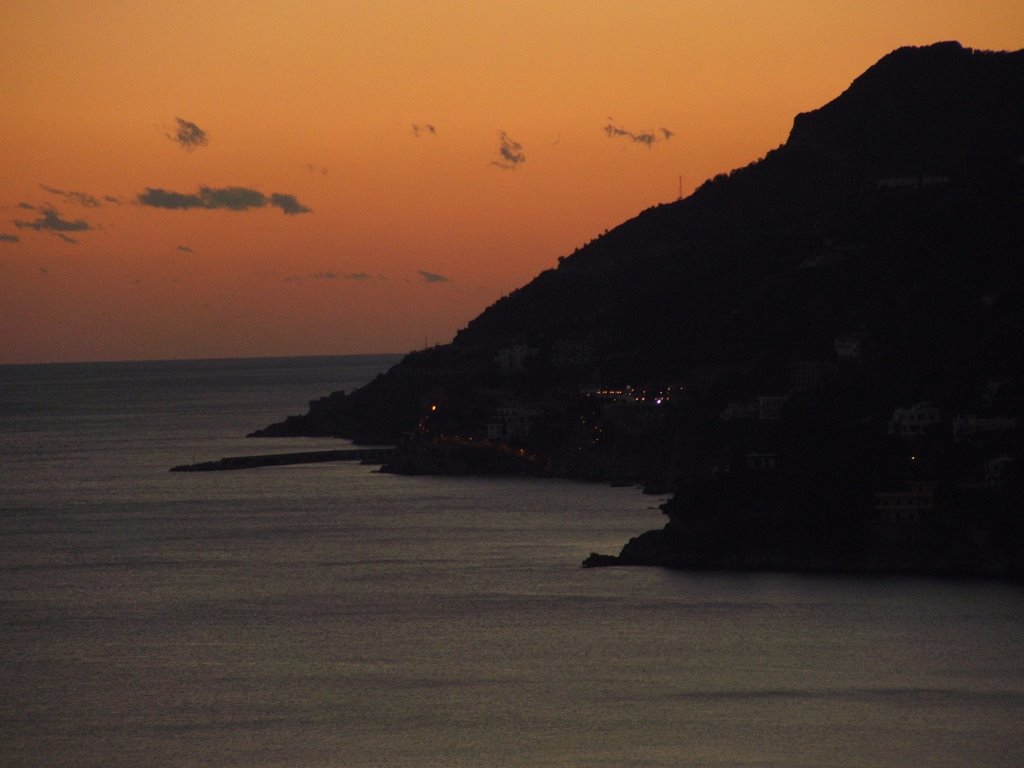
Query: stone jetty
[[364, 455]]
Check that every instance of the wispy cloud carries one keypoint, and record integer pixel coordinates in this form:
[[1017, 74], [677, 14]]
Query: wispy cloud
[[640, 138], [229, 198], [511, 153], [27, 206], [67, 238], [80, 198], [189, 135], [647, 138], [332, 275], [50, 221], [288, 203], [432, 277], [6, 238], [427, 129], [185, 249]]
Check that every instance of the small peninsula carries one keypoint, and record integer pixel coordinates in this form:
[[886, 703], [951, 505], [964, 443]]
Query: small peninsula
[[818, 355]]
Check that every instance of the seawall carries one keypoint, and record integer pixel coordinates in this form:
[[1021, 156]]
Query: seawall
[[364, 455]]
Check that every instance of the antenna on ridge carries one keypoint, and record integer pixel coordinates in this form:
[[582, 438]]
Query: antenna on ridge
[[680, 188]]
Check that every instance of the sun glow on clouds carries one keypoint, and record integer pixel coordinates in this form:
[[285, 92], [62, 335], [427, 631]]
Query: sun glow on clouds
[[235, 179]]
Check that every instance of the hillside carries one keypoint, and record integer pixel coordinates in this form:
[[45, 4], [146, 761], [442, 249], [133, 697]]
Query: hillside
[[759, 345]]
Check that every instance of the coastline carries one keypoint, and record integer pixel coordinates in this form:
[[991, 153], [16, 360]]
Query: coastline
[[664, 548]]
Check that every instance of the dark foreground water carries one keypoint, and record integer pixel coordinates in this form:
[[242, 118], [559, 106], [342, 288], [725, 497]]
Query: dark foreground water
[[328, 615]]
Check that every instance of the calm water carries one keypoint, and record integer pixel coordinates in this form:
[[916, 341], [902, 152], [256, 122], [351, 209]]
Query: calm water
[[328, 615]]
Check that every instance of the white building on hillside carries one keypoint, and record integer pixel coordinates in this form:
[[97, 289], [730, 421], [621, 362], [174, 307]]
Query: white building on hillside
[[915, 420]]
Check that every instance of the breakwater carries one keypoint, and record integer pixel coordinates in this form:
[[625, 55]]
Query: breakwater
[[364, 455]]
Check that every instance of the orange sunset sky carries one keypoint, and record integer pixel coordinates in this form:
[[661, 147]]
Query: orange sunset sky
[[236, 179]]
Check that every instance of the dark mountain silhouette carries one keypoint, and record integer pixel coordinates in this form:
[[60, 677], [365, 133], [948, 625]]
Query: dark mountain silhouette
[[750, 345]]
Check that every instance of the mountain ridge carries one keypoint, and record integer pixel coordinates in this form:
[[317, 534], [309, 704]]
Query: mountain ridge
[[891, 215]]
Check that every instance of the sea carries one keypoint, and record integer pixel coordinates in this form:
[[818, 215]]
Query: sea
[[330, 615]]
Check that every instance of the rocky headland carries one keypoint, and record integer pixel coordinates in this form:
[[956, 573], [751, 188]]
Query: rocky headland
[[819, 354]]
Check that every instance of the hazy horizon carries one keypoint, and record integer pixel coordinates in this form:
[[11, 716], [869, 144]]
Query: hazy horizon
[[209, 359]]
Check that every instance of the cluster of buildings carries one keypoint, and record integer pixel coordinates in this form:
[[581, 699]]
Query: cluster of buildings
[[977, 443]]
